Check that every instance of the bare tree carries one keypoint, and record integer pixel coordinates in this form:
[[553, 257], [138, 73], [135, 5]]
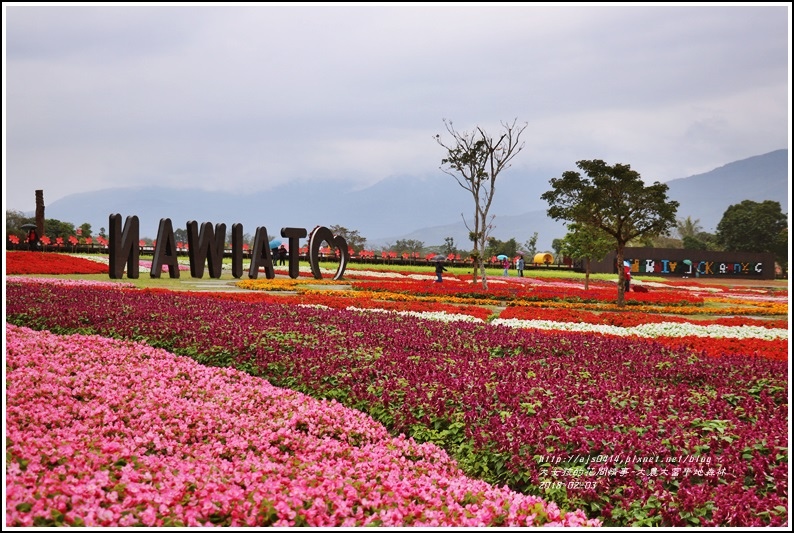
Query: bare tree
[[475, 159]]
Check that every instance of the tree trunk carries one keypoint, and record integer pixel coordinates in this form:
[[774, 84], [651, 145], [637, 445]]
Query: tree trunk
[[482, 266], [587, 273], [621, 277], [476, 241]]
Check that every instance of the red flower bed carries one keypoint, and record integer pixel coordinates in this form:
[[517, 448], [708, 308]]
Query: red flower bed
[[770, 349], [528, 291], [627, 319], [50, 263], [343, 302], [775, 350]]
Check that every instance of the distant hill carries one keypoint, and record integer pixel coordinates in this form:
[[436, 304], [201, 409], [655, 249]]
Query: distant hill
[[707, 196], [425, 208]]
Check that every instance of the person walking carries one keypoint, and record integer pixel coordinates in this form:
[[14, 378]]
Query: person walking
[[439, 270], [33, 240], [627, 276]]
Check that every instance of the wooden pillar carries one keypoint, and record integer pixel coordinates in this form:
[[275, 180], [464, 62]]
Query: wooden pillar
[[40, 213]]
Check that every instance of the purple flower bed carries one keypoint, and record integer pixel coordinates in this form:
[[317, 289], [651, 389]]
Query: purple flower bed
[[630, 431]]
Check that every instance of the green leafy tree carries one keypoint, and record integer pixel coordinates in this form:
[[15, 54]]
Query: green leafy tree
[[85, 230], [587, 244], [180, 234], [492, 247], [685, 235], [531, 246], [14, 221], [354, 240], [475, 159], [663, 241], [497, 247], [688, 227], [701, 241], [509, 247], [759, 227], [657, 241], [54, 228], [556, 245], [449, 246], [408, 245], [615, 200]]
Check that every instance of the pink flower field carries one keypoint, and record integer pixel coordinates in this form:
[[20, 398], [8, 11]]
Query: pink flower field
[[394, 402], [102, 432]]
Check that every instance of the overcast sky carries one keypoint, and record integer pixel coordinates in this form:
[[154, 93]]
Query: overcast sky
[[250, 96]]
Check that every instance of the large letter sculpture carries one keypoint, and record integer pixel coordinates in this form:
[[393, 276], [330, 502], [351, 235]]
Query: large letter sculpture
[[123, 245], [317, 236], [165, 251], [261, 254], [207, 244], [294, 235], [237, 250]]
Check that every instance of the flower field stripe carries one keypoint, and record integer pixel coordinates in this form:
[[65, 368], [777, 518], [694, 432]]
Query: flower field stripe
[[662, 329], [629, 318], [350, 299], [107, 433], [50, 263], [510, 291], [519, 407], [761, 309], [428, 315], [777, 350], [65, 282]]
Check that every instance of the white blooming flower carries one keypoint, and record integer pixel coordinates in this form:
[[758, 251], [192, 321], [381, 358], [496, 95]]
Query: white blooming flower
[[429, 315], [664, 329]]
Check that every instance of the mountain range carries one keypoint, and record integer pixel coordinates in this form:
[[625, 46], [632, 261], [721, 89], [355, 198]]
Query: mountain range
[[428, 209]]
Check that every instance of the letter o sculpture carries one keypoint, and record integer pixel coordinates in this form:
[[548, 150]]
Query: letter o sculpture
[[316, 237]]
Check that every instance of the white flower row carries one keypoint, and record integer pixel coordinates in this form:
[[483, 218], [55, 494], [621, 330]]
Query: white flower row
[[101, 259], [429, 315], [664, 329]]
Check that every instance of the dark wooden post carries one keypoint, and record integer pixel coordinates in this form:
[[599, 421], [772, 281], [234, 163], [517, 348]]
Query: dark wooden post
[[39, 218], [40, 213]]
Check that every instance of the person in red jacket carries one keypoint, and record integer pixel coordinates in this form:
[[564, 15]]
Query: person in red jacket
[[627, 276], [33, 239]]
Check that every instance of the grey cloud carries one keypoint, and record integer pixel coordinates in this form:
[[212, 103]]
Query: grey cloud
[[256, 95]]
